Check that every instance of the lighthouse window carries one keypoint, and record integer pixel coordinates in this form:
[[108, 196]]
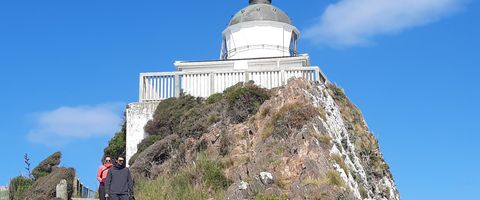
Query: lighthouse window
[[293, 44]]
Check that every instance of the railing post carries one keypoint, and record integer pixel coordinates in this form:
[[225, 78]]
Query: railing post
[[75, 187], [247, 76], [212, 83], [283, 77], [177, 85]]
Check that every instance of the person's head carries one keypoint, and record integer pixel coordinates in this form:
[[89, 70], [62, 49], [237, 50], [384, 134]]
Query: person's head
[[107, 160], [120, 160]]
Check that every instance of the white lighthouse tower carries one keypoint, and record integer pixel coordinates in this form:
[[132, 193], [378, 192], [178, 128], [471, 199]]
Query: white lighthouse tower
[[259, 30], [260, 45]]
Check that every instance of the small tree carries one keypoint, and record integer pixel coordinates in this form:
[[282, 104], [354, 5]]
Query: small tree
[[117, 145]]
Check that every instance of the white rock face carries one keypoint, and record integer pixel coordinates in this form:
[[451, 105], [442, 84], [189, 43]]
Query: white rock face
[[336, 128], [137, 116]]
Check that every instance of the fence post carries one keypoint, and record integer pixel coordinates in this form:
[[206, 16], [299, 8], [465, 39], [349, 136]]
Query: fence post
[[177, 85], [247, 76], [318, 77], [212, 83], [283, 77], [75, 187]]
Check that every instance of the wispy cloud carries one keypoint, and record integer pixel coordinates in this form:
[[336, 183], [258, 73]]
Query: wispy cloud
[[64, 124], [355, 22]]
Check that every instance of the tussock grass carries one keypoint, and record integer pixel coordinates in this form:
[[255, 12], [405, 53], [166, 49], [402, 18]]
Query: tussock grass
[[363, 192], [334, 178], [290, 117], [339, 160], [201, 180], [323, 138]]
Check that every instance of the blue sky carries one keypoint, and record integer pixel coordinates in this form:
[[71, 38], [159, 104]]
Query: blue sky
[[68, 68]]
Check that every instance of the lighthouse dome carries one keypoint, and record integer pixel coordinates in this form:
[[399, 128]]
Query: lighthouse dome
[[259, 31], [260, 10]]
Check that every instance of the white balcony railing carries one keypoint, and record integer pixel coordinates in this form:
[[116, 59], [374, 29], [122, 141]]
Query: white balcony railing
[[163, 85]]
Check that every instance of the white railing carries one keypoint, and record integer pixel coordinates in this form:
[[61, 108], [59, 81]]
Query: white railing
[[159, 86]]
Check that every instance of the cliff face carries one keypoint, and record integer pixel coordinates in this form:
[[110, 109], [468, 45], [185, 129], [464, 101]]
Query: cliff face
[[301, 141]]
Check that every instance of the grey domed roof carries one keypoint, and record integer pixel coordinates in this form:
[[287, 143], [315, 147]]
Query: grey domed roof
[[260, 12]]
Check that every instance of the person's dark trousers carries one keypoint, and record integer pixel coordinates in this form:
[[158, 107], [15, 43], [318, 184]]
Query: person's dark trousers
[[118, 197], [101, 191]]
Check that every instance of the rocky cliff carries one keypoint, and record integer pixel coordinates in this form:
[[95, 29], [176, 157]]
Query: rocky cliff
[[302, 141]]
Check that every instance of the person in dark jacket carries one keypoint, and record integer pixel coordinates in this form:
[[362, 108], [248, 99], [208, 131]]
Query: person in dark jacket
[[119, 183]]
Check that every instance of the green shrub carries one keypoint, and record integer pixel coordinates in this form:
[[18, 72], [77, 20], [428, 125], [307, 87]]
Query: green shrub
[[46, 166], [213, 118], [214, 98], [188, 116], [117, 145], [169, 114], [244, 100], [144, 144], [18, 186]]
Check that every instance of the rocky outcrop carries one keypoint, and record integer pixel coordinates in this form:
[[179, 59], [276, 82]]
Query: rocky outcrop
[[46, 186], [307, 141]]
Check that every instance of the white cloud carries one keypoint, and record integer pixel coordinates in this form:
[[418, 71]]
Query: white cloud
[[355, 22], [62, 125]]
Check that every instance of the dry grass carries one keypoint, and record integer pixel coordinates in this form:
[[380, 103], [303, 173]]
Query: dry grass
[[323, 138], [339, 160], [334, 178], [313, 182], [290, 117]]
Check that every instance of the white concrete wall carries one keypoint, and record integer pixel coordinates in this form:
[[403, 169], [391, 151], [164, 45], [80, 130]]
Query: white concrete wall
[[137, 116]]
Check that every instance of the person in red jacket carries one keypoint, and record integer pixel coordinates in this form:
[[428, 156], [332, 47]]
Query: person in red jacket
[[102, 176]]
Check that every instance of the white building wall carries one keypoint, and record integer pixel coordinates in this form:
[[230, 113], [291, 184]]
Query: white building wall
[[258, 39], [137, 116]]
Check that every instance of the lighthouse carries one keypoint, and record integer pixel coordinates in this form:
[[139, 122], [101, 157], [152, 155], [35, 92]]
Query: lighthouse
[[259, 44], [258, 31]]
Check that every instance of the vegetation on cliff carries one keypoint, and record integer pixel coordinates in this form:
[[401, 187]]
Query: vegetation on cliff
[[46, 176], [304, 140]]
